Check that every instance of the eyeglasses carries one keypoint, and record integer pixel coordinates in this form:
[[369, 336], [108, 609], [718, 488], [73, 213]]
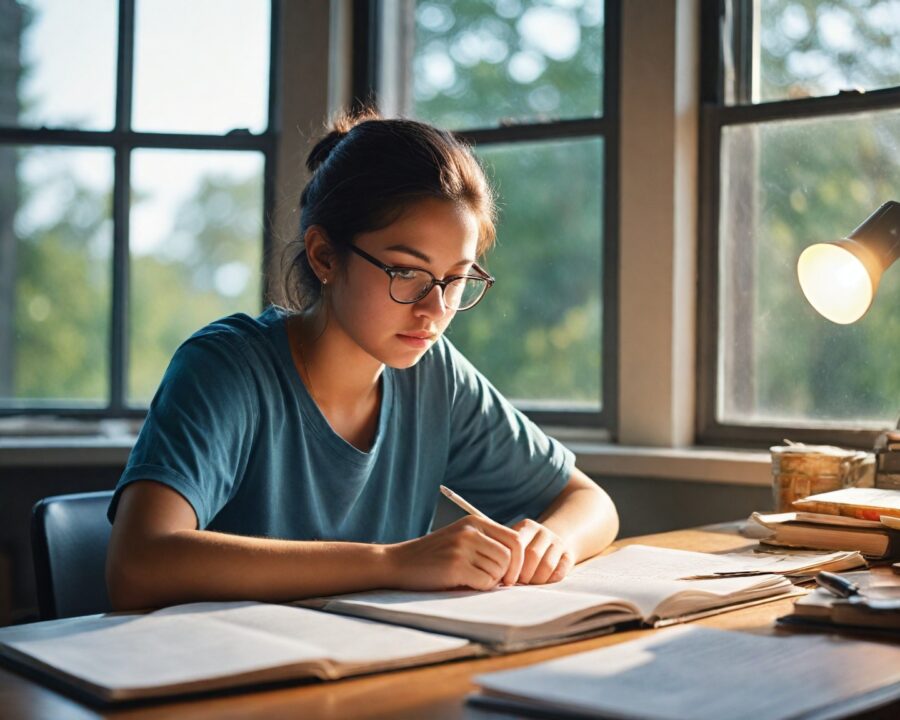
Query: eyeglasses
[[409, 285]]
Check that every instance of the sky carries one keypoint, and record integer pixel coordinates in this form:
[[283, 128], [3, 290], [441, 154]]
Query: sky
[[200, 66]]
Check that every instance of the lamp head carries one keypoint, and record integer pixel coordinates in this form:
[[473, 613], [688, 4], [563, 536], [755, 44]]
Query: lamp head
[[840, 278]]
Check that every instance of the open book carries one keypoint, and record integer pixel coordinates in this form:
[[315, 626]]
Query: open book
[[704, 674], [208, 646], [635, 584]]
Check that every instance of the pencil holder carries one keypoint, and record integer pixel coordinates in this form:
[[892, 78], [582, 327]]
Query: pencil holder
[[800, 470]]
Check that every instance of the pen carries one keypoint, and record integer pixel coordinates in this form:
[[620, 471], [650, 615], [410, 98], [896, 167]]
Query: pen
[[464, 504], [727, 574], [837, 585]]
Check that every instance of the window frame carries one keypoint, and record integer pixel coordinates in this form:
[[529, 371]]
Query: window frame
[[365, 83], [715, 116], [122, 140]]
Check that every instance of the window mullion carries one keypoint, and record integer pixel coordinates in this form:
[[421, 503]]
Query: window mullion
[[273, 137], [120, 210], [609, 342]]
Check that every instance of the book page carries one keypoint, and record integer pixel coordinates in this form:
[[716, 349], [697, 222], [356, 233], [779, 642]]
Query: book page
[[650, 576], [793, 562], [637, 576], [190, 643], [516, 606], [669, 675]]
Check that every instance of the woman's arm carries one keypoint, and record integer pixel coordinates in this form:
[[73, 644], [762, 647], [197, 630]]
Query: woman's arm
[[578, 524], [158, 557]]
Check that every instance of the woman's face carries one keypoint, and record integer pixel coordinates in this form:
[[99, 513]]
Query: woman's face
[[434, 235]]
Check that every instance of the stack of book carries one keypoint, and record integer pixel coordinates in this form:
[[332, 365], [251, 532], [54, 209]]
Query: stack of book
[[862, 519], [887, 460], [875, 608]]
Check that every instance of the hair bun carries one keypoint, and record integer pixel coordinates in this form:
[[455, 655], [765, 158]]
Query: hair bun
[[341, 125]]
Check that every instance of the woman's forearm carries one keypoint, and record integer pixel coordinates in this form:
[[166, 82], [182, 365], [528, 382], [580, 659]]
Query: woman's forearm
[[584, 516], [192, 565]]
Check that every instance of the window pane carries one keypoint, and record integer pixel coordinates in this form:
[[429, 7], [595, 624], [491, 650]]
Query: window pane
[[55, 250], [196, 251], [536, 334], [817, 47], [201, 66], [476, 63], [786, 185], [58, 65]]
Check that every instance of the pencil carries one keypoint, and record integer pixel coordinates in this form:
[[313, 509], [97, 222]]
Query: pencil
[[464, 504]]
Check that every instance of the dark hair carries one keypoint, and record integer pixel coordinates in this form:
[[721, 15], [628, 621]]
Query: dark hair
[[366, 172]]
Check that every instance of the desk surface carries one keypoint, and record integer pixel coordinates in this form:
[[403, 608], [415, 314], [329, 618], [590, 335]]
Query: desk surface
[[434, 692]]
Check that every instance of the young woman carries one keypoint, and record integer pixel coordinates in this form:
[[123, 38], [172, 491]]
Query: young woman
[[300, 453]]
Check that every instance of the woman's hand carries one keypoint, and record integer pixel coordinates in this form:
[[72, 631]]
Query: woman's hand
[[471, 552], [546, 558]]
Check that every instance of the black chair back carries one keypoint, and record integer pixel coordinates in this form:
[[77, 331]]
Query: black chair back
[[69, 536]]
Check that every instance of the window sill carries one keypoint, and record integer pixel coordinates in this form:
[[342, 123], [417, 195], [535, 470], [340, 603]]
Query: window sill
[[598, 458], [594, 456], [37, 451]]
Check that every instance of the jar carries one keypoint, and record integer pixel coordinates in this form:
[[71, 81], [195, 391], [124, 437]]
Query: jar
[[800, 470]]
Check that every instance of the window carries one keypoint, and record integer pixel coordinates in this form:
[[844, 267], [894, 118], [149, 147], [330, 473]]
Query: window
[[532, 84], [136, 164], [802, 143]]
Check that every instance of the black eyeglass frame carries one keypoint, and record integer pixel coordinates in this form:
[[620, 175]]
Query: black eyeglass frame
[[392, 270]]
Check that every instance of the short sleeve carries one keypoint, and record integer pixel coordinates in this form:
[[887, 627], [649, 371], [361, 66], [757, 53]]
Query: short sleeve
[[500, 461], [199, 428]]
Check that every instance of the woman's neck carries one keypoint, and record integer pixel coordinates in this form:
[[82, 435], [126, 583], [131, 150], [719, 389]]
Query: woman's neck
[[336, 371]]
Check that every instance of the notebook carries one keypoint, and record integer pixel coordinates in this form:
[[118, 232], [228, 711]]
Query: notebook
[[209, 646], [699, 673], [636, 584]]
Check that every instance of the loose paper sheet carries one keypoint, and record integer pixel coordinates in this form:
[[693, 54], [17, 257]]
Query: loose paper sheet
[[705, 674]]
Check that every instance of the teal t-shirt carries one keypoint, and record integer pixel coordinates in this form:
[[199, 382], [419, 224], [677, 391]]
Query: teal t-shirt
[[234, 430]]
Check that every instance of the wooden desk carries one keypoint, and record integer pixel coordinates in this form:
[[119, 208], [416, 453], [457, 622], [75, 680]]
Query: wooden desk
[[435, 692]]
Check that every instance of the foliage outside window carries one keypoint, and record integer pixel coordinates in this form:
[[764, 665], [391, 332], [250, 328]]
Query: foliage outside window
[[525, 81], [134, 150], [799, 154]]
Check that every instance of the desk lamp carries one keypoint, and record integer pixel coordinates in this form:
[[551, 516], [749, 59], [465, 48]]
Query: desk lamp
[[840, 278]]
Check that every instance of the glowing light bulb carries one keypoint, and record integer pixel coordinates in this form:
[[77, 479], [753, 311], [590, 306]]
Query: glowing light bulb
[[836, 282]]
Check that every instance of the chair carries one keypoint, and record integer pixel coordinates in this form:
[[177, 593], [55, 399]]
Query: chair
[[69, 536]]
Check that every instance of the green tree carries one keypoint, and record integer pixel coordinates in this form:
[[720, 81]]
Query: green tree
[[61, 315], [209, 267], [818, 179], [537, 334]]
